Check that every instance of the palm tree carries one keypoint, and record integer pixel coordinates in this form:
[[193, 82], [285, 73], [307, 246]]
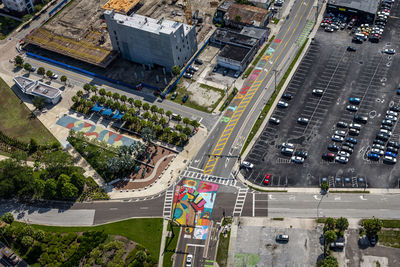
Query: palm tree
[[116, 105], [135, 120], [123, 98], [28, 67], [89, 104], [179, 127], [102, 100], [169, 114], [87, 87], [195, 124], [123, 108], [153, 109], [150, 124], [154, 118], [109, 94], [102, 92], [132, 111], [79, 93], [162, 121], [158, 128], [161, 111], [75, 99], [142, 123], [166, 130], [146, 115], [146, 106], [138, 104], [94, 89], [126, 117], [109, 103], [187, 130], [94, 98], [183, 138], [131, 101], [116, 96], [64, 79], [178, 118], [186, 121]]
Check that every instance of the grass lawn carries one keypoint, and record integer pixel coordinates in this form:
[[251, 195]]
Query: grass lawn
[[146, 232], [7, 26], [16, 120], [390, 238], [170, 246], [391, 223], [182, 91], [223, 248]]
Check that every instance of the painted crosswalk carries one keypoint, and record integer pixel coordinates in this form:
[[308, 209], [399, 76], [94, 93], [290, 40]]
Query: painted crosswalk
[[240, 200], [210, 178], [168, 202], [303, 36]]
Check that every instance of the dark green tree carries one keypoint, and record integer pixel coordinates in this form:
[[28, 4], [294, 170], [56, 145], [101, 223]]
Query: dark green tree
[[49, 74], [8, 218], [329, 237], [372, 226], [41, 71], [69, 191], [50, 189], [329, 261], [27, 241], [78, 180], [38, 102], [176, 70], [342, 224], [19, 61], [27, 67], [63, 79]]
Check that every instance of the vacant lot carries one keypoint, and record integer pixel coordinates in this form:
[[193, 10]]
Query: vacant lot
[[16, 119]]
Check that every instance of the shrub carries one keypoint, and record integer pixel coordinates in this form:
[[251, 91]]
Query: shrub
[[8, 217]]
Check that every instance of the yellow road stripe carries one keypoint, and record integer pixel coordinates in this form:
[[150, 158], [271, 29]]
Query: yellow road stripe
[[255, 84]]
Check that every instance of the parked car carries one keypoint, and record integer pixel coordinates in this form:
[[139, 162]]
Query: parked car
[[318, 92], [267, 178], [282, 238], [282, 104], [247, 165], [354, 132], [302, 120], [352, 108], [54, 76], [288, 145], [351, 49], [287, 96], [302, 154], [393, 144], [389, 51], [389, 160], [298, 160], [287, 151], [341, 124], [355, 100], [351, 140], [337, 138], [185, 98], [274, 120], [360, 118], [174, 95], [328, 156], [372, 156], [342, 160]]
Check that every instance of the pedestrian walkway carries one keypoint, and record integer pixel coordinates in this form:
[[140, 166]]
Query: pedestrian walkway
[[168, 202], [240, 199], [210, 178]]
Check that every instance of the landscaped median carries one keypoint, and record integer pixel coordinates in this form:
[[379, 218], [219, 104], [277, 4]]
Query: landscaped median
[[270, 102], [170, 245]]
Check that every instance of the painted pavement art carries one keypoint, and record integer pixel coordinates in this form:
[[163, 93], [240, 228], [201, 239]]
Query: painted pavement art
[[94, 131], [193, 205]]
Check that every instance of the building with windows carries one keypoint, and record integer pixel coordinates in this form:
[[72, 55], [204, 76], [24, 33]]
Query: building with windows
[[364, 9], [152, 42], [35, 88], [19, 6]]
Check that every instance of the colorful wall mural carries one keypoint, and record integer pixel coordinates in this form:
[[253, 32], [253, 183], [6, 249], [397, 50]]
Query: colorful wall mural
[[193, 205]]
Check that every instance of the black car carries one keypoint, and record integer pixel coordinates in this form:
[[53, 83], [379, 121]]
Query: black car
[[360, 118], [333, 148], [185, 98], [393, 144], [386, 127], [354, 132], [379, 142], [348, 144], [351, 49], [341, 124], [302, 154], [198, 61], [287, 96], [395, 108], [383, 137], [392, 149], [347, 149]]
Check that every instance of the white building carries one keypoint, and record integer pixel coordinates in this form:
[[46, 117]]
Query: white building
[[19, 5], [149, 41], [34, 88]]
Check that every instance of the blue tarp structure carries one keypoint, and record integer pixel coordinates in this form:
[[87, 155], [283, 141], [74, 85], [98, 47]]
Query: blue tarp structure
[[97, 107], [116, 114], [119, 116], [107, 112]]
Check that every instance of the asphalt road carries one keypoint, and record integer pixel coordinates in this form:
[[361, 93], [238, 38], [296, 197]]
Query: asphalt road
[[367, 74], [282, 49]]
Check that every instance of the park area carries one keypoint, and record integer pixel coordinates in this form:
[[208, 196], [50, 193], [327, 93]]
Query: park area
[[17, 121], [7, 25]]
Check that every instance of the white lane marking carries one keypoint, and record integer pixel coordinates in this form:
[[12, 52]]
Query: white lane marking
[[316, 197], [144, 208], [337, 198], [113, 208], [254, 204], [270, 197], [363, 198]]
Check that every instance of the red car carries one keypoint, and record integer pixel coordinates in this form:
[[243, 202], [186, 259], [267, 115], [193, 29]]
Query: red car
[[267, 178]]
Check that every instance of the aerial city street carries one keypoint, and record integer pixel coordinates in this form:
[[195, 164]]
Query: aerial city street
[[199, 133]]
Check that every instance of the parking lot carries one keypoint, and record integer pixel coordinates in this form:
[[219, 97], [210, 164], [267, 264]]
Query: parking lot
[[366, 74]]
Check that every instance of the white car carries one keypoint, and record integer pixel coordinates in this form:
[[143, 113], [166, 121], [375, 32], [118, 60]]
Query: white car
[[343, 154], [389, 159], [248, 165], [390, 117], [288, 145], [389, 51], [337, 138], [343, 160], [385, 132], [298, 160], [390, 112], [340, 133], [377, 151], [54, 76], [378, 146], [282, 104], [189, 260]]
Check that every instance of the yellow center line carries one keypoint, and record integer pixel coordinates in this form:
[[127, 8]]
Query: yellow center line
[[250, 93], [184, 256]]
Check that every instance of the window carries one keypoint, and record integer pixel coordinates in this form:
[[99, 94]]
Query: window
[[178, 58], [176, 47]]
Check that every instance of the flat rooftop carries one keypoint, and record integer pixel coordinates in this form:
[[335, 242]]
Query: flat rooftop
[[236, 53], [254, 32], [229, 37], [369, 6], [121, 6], [32, 87], [148, 24]]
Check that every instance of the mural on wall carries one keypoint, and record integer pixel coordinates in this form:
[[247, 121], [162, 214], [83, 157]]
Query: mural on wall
[[193, 204], [94, 131]]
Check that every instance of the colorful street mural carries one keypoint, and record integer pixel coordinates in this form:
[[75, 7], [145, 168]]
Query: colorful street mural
[[94, 131], [193, 204]]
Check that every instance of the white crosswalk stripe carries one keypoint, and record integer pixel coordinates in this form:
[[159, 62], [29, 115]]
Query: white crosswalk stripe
[[240, 200], [168, 202], [210, 178]]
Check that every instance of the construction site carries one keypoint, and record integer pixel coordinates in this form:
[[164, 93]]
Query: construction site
[[78, 35]]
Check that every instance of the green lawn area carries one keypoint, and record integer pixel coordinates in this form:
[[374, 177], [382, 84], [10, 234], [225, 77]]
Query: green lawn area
[[16, 120], [170, 246], [146, 232], [223, 245], [182, 91], [7, 25], [391, 223], [390, 238]]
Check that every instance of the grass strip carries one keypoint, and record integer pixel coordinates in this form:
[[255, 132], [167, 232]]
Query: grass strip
[[170, 246], [223, 248], [267, 107], [267, 190], [391, 223], [146, 232], [250, 69], [229, 99], [390, 238], [349, 191]]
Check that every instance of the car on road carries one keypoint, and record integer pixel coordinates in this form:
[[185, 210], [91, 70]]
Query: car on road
[[333, 147], [274, 120], [354, 132], [342, 160], [337, 138], [54, 76], [351, 49], [360, 118], [287, 151], [174, 95], [298, 160], [318, 92], [340, 133], [393, 144], [287, 96], [389, 51], [355, 100], [282, 104], [389, 160], [247, 165], [351, 140], [352, 108], [267, 178], [185, 98], [288, 145], [189, 260], [341, 124], [300, 153], [372, 156], [377, 151], [282, 238], [328, 156], [302, 120], [387, 122]]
